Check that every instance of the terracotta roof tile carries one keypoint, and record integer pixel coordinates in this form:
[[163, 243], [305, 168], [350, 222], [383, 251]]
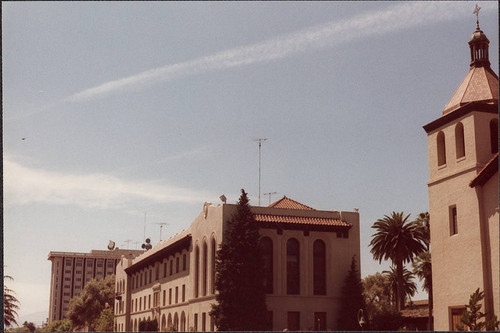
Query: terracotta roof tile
[[288, 203], [419, 309], [479, 85], [302, 220]]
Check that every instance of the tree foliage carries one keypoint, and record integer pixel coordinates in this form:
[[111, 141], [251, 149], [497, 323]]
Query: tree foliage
[[30, 326], [472, 316], [399, 240], [10, 305], [149, 325], [380, 313], [105, 321], [239, 280], [409, 287], [58, 326], [85, 309], [352, 299]]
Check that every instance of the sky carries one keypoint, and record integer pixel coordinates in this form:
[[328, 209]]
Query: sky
[[118, 116]]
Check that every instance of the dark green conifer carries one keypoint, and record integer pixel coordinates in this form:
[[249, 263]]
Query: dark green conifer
[[239, 280], [352, 300]]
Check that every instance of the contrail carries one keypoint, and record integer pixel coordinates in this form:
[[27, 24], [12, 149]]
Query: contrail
[[390, 20]]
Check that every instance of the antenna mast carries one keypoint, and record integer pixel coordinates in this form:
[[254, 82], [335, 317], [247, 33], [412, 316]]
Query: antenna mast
[[270, 194], [260, 146], [144, 226], [161, 224]]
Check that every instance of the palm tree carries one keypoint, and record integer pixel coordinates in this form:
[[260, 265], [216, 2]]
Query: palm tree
[[399, 240], [10, 305], [423, 269], [424, 221], [409, 287]]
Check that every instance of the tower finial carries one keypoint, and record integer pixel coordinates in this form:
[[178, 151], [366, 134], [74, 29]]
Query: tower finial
[[476, 11]]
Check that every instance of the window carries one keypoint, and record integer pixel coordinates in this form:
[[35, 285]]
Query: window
[[184, 262], [68, 262], [320, 321], [213, 264], [293, 321], [292, 267], [170, 296], [149, 301], [441, 149], [164, 297], [176, 295], [343, 234], [68, 271], [89, 272], [140, 303], [66, 286], [79, 264], [494, 135], [183, 292], [453, 221], [78, 272], [165, 269], [459, 140], [90, 264], [195, 319], [150, 275], [177, 265], [319, 267], [455, 315], [203, 321], [196, 269], [67, 279], [157, 272], [100, 263], [205, 268], [266, 245], [110, 264]]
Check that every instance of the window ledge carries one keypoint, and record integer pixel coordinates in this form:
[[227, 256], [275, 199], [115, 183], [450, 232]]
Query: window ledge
[[460, 159], [443, 166]]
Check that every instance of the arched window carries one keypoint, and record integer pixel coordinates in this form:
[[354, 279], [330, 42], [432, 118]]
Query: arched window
[[135, 325], [163, 323], [196, 269], [205, 269], [214, 249], [459, 140], [441, 149], [183, 322], [319, 267], [292, 267], [494, 135], [176, 322], [266, 246], [169, 321]]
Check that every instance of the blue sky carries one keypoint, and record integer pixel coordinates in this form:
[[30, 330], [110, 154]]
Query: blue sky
[[134, 107]]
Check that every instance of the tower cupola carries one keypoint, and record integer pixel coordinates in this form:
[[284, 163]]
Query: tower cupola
[[479, 44]]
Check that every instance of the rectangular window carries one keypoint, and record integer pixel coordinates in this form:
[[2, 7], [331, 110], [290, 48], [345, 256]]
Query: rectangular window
[[293, 320], [453, 221], [157, 272], [203, 321], [89, 272], [78, 272], [183, 292], [100, 264], [140, 303], [165, 269], [177, 265], [67, 279], [164, 297], [90, 264], [171, 267], [184, 262], [68, 271], [176, 295], [68, 262], [170, 296], [320, 321], [455, 315], [195, 322], [149, 301], [111, 264], [78, 264]]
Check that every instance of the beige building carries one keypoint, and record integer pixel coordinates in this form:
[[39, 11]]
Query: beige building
[[463, 192], [71, 271], [307, 253]]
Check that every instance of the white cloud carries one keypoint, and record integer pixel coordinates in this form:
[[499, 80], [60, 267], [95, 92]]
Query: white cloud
[[23, 185], [398, 17]]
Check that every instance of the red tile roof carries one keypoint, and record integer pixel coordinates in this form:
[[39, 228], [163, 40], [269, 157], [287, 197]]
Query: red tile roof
[[489, 170], [418, 309], [479, 85], [288, 203], [323, 221]]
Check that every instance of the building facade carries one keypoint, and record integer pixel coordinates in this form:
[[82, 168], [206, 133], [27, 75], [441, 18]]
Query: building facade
[[307, 254], [463, 192], [72, 271]]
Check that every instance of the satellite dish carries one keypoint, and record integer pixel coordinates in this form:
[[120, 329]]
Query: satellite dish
[[111, 245], [147, 245], [223, 198]]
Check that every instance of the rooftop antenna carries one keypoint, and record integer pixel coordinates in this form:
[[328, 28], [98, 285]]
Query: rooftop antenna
[[144, 226], [161, 224], [270, 194], [127, 242], [260, 146], [136, 244]]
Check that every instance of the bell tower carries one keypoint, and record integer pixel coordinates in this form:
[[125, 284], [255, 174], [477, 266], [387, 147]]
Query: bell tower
[[463, 192]]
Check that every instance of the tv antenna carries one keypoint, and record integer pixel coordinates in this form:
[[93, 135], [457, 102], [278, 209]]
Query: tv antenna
[[161, 224], [144, 226], [260, 146], [270, 194], [136, 242], [127, 242]]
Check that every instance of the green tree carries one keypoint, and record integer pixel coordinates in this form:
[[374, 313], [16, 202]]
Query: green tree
[[58, 326], [422, 268], [30, 326], [423, 220], [380, 312], [352, 299], [10, 305], [105, 321], [399, 240], [409, 287], [241, 303], [85, 309], [472, 315]]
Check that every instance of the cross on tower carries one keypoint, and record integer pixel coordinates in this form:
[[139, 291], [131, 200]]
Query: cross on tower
[[476, 11]]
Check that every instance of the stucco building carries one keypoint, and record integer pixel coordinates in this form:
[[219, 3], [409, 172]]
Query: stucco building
[[307, 253], [71, 271], [463, 192]]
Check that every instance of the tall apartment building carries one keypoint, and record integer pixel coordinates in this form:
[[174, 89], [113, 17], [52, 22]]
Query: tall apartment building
[[72, 271], [463, 193], [307, 254]]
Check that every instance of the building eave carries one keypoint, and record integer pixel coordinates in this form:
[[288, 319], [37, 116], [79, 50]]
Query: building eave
[[486, 173]]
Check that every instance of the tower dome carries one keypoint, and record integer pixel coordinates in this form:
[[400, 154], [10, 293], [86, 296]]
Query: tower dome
[[479, 44]]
